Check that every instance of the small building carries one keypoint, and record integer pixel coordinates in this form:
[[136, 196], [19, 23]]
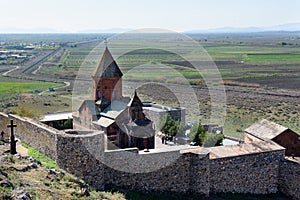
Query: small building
[[267, 130], [155, 112], [59, 121]]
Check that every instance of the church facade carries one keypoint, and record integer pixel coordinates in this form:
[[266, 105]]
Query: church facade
[[120, 118]]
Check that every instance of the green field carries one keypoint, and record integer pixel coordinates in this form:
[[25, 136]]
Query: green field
[[9, 89]]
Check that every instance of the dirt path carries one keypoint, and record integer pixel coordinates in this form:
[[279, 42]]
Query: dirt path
[[9, 71]]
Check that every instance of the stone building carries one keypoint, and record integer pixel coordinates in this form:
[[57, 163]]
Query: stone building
[[121, 118], [267, 130]]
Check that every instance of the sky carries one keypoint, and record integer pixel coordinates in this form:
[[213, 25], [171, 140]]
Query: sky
[[175, 15]]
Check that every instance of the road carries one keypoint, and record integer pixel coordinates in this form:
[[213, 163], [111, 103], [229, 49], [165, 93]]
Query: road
[[64, 86]]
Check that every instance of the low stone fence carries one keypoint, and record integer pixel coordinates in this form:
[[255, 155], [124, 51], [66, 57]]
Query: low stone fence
[[289, 179]]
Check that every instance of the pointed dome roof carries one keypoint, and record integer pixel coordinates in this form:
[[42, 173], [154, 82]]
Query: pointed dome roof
[[135, 100], [107, 66]]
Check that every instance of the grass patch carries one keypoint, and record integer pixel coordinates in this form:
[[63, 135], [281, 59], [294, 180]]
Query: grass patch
[[45, 160], [8, 89]]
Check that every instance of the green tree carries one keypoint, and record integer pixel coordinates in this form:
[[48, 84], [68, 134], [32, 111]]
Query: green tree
[[197, 134], [212, 139], [168, 126]]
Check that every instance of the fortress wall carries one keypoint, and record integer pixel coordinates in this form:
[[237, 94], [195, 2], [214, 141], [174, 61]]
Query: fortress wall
[[199, 174], [186, 173], [4, 121], [251, 173], [289, 179], [37, 135], [81, 155]]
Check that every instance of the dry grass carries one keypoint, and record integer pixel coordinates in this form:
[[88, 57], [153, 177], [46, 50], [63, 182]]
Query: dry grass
[[241, 84]]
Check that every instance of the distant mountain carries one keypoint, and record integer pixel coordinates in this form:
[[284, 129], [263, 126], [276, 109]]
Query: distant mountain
[[285, 27], [228, 30], [281, 27], [29, 30], [112, 30], [49, 30]]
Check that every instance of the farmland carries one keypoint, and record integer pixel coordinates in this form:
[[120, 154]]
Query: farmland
[[261, 73], [11, 88]]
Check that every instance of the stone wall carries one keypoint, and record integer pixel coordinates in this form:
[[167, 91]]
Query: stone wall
[[81, 155], [37, 135], [252, 173], [289, 179], [4, 121], [193, 171], [186, 174]]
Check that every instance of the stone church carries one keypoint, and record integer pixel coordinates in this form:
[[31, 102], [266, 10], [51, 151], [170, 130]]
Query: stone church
[[120, 118]]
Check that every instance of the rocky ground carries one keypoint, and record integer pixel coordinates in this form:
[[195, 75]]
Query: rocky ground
[[23, 178]]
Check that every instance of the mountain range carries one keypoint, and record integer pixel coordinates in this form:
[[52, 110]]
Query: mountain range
[[290, 27]]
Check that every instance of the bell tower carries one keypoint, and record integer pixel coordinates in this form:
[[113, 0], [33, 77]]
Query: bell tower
[[107, 79]]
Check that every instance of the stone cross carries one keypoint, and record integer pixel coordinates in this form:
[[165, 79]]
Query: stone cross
[[13, 146]]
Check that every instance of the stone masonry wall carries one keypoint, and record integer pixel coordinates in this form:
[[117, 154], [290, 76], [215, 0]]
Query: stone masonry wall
[[4, 121], [289, 179], [37, 135], [187, 174], [252, 173], [81, 155]]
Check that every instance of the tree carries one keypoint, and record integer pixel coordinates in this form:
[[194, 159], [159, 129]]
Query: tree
[[202, 138], [198, 134], [212, 139], [168, 126]]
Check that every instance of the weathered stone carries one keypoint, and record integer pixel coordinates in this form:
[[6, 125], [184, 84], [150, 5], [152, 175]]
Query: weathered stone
[[6, 183], [19, 194]]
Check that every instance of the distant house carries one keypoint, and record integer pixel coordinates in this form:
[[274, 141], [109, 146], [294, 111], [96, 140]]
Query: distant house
[[267, 130]]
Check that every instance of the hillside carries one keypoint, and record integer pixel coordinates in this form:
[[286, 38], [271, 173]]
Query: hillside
[[22, 177]]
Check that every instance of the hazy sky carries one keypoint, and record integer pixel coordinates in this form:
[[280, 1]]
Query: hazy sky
[[177, 15]]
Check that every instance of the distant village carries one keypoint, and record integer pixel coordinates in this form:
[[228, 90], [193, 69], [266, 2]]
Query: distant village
[[19, 53]]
